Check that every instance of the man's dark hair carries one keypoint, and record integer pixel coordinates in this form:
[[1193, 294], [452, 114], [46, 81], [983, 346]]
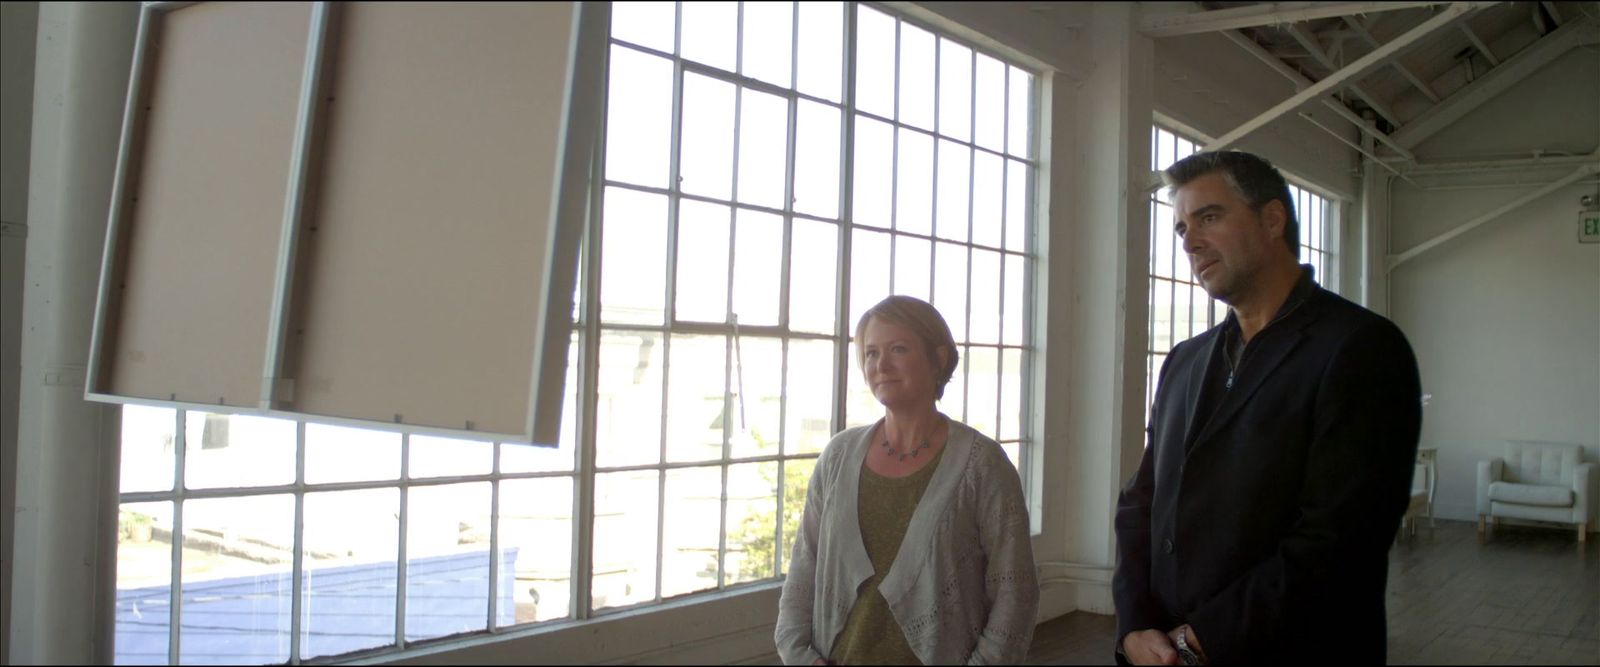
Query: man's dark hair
[[1252, 176]]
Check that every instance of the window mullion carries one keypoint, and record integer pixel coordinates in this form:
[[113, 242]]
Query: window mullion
[[841, 352], [297, 568], [175, 615], [494, 544], [404, 528], [582, 514], [894, 162]]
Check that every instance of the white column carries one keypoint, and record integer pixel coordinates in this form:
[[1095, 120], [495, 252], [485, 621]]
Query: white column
[[65, 549], [1100, 230], [1374, 246]]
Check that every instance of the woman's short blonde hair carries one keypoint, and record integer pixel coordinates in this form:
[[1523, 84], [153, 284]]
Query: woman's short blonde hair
[[925, 321]]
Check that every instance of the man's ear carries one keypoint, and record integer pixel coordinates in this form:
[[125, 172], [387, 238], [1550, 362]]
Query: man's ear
[[1275, 218]]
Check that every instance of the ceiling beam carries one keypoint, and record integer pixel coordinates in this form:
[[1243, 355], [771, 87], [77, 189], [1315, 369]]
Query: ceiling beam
[[1555, 15], [1527, 61], [1447, 17], [1580, 172], [1521, 164], [1301, 83], [1478, 44], [1427, 91], [1172, 24], [1309, 43]]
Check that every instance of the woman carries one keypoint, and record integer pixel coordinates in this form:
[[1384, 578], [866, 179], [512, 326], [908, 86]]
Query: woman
[[914, 547]]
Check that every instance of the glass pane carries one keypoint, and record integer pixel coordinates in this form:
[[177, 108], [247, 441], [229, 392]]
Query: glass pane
[[983, 390], [1161, 264], [1013, 332], [1219, 312], [816, 160], [860, 406], [638, 117], [821, 49], [148, 458], [955, 90], [757, 391], [796, 481], [985, 296], [144, 582], [763, 146], [236, 586], [988, 175], [911, 269], [1161, 315], [624, 570], [1019, 113], [869, 272], [1013, 452], [536, 539], [632, 265], [696, 399], [352, 551], [814, 276], [1318, 234], [757, 267], [1200, 309], [808, 416], [916, 76], [1018, 213], [954, 402], [517, 457], [1180, 312], [702, 289], [690, 531], [768, 41], [1166, 149], [990, 103], [237, 450], [955, 183], [875, 53], [433, 456], [628, 405], [1185, 148], [950, 286], [710, 33], [649, 23], [752, 521], [1010, 394], [874, 165], [914, 183], [342, 454], [447, 560], [705, 163]]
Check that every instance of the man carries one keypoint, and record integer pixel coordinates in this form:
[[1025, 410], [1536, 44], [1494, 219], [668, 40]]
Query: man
[[1280, 453]]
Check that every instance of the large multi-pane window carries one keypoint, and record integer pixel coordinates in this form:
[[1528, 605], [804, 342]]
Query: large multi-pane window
[[770, 171], [1179, 306]]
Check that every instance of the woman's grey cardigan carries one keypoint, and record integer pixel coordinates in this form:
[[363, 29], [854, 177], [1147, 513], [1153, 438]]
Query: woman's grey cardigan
[[962, 587]]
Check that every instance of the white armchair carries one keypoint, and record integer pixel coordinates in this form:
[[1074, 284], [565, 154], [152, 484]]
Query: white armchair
[[1540, 481]]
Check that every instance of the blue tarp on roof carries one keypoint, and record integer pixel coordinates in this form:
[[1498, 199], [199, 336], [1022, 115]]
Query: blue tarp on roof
[[245, 620]]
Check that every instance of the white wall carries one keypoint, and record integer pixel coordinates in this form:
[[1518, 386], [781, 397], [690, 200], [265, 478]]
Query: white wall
[[18, 24], [1505, 319]]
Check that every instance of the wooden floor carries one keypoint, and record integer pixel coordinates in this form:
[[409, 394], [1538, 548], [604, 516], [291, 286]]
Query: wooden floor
[[1527, 596]]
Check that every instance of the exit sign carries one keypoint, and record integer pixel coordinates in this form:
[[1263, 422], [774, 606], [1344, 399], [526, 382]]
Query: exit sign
[[1589, 227]]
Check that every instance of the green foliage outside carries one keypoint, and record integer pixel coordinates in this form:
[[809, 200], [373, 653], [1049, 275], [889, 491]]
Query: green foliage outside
[[754, 535]]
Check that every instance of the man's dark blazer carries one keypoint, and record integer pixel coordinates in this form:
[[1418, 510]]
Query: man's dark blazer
[[1266, 526]]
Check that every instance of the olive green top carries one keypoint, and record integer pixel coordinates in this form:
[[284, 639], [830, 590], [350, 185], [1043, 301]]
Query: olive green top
[[870, 635]]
